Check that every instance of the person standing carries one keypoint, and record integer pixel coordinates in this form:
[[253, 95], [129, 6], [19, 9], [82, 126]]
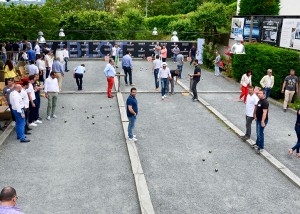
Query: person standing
[[196, 78], [25, 99], [9, 71], [164, 53], [132, 111], [37, 50], [192, 54], [113, 52], [245, 83], [37, 90], [6, 92], [261, 116], [78, 74], [155, 70], [32, 68], [8, 48], [31, 54], [33, 111], [297, 130], [40, 63], [18, 110], [217, 63], [51, 90], [66, 57], [180, 59], [163, 75], [8, 198], [289, 88], [267, 82], [49, 63], [127, 67], [110, 73], [251, 103], [157, 50], [174, 79], [57, 67], [3, 50], [16, 50], [175, 51]]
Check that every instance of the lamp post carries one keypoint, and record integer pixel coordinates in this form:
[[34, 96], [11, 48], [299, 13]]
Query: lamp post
[[146, 8], [155, 33], [41, 39]]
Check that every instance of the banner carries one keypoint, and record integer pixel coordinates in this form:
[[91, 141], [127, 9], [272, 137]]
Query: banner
[[290, 34], [255, 30], [237, 27], [271, 30]]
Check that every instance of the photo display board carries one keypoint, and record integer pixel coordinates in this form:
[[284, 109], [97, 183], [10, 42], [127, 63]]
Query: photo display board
[[270, 31], [100, 49], [255, 30], [237, 27], [290, 34]]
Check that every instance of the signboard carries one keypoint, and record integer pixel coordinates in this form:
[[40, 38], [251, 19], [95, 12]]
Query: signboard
[[255, 30], [271, 30], [237, 27], [290, 34]]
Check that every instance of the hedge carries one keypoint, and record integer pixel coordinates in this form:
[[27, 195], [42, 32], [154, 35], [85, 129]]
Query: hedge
[[259, 58]]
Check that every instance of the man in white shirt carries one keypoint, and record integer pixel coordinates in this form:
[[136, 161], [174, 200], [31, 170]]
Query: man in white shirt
[[33, 111], [32, 68], [37, 50], [51, 90], [18, 110], [251, 102], [78, 75], [267, 82], [155, 70], [25, 99], [163, 75], [66, 57], [48, 63], [110, 73]]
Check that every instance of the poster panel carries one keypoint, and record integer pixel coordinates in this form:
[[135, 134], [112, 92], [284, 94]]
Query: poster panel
[[270, 31], [255, 30], [237, 27], [290, 34]]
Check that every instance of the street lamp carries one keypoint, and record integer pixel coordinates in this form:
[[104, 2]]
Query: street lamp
[[41, 39], [155, 33], [61, 33]]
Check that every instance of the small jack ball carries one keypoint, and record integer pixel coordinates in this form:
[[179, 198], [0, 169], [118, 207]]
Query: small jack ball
[[289, 134], [107, 116], [210, 151], [93, 123], [203, 159], [87, 117], [65, 121], [100, 107], [216, 170], [62, 107], [72, 108]]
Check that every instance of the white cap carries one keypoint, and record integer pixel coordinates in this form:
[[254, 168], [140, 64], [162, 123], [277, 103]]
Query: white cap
[[164, 64]]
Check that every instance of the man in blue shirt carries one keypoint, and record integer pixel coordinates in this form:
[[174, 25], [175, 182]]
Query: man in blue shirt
[[132, 111], [58, 68], [127, 67], [30, 53], [110, 73], [78, 75]]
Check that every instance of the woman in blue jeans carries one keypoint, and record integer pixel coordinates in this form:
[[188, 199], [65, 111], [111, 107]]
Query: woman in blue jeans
[[297, 129]]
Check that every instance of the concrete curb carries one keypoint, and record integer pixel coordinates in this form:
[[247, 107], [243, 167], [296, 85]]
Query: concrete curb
[[137, 170], [6, 133], [271, 159]]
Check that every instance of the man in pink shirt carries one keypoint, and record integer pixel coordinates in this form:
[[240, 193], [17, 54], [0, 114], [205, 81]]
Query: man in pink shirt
[[164, 53]]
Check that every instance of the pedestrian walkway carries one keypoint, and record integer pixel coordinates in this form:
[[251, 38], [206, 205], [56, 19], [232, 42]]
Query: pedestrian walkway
[[191, 161]]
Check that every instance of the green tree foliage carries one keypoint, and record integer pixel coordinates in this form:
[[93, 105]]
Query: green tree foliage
[[77, 5], [259, 7], [259, 58], [133, 24]]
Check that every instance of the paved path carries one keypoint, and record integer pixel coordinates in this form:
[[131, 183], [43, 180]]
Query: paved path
[[85, 168]]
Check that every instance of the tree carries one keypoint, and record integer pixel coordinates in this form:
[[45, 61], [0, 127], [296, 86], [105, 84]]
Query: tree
[[77, 5], [259, 7]]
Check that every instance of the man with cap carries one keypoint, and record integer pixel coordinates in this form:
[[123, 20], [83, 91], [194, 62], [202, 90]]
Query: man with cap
[[163, 75], [18, 110]]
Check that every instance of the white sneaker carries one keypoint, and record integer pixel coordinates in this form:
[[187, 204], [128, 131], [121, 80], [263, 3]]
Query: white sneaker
[[32, 124], [163, 97], [134, 136], [13, 123], [132, 139], [48, 118], [38, 121], [54, 116]]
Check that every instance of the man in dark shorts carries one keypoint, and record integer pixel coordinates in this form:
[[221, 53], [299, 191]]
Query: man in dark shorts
[[261, 117]]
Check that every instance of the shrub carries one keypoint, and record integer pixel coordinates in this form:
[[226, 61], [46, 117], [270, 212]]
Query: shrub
[[259, 58], [259, 7]]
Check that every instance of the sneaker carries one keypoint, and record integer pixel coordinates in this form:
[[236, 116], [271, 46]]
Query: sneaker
[[38, 121], [48, 118], [163, 97], [13, 123], [54, 116], [32, 124], [195, 99], [245, 137], [132, 84], [134, 136], [284, 110], [254, 145]]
